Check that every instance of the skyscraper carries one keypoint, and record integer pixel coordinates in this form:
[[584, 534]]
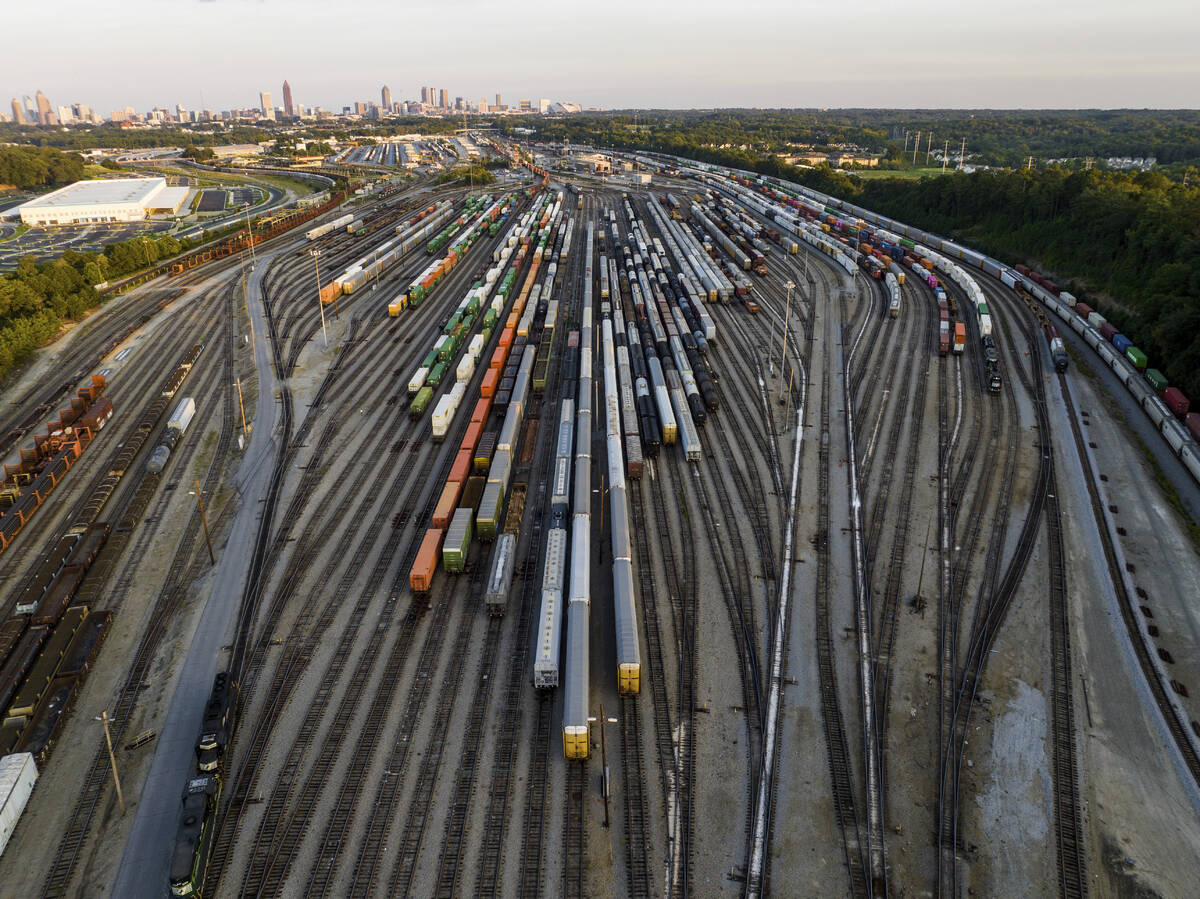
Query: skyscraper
[[18, 113], [385, 97], [445, 104], [288, 108], [31, 115], [43, 109], [497, 102], [424, 95], [264, 102]]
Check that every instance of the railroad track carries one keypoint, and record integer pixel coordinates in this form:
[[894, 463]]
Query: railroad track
[[182, 573], [840, 766], [411, 839], [636, 804], [574, 879], [890, 612]]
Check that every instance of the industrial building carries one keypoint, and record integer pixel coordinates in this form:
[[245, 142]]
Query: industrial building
[[116, 200]]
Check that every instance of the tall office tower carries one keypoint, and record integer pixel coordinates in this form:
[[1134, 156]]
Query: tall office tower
[[289, 107], [543, 105], [424, 95], [497, 102], [43, 109], [64, 115], [525, 105], [264, 103], [458, 103], [483, 107], [445, 104], [18, 113], [385, 97], [31, 115]]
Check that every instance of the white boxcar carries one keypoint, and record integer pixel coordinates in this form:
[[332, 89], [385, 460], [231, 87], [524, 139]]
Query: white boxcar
[[18, 774]]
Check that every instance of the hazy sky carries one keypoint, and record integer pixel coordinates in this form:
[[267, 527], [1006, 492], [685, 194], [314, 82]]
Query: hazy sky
[[219, 54]]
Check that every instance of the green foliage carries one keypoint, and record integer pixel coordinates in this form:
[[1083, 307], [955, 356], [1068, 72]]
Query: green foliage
[[29, 167], [1127, 243], [38, 298], [474, 174]]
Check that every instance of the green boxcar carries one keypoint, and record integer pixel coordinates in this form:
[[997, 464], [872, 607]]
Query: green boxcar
[[1137, 357], [430, 359], [452, 323], [491, 507], [420, 402], [447, 350], [458, 542], [473, 305], [436, 374], [1157, 379], [907, 244], [416, 295], [489, 318]]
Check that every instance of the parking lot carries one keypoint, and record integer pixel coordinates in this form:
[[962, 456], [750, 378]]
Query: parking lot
[[49, 243]]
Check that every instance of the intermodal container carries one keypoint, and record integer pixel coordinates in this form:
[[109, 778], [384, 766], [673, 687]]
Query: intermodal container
[[1157, 379], [1137, 357], [1108, 332], [1192, 421], [1176, 401]]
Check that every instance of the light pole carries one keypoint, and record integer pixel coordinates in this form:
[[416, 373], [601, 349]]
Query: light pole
[[112, 760], [250, 237], [320, 305], [203, 517], [787, 314]]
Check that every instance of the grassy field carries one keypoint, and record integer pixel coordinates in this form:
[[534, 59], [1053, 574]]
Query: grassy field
[[908, 174]]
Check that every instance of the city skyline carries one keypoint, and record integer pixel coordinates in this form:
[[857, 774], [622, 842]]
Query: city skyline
[[806, 58]]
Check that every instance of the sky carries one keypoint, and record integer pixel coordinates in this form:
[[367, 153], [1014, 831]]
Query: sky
[[218, 54]]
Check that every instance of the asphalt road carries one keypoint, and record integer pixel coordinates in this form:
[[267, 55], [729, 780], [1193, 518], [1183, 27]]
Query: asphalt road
[[145, 863]]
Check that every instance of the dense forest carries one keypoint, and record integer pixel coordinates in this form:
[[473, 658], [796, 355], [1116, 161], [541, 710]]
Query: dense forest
[[994, 137], [37, 299], [1128, 243], [30, 168]]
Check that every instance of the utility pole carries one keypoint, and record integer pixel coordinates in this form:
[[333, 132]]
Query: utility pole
[[1029, 164], [945, 155], [204, 520], [962, 154], [916, 146], [787, 314], [320, 305], [112, 760], [245, 430], [250, 237], [928, 146]]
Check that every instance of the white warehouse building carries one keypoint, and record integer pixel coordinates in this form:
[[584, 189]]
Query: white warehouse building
[[116, 200]]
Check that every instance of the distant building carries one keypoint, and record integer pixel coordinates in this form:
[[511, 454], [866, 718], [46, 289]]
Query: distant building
[[424, 95], [445, 98], [483, 104], [289, 108], [385, 98], [497, 101], [18, 114], [64, 115], [265, 106], [43, 109], [115, 200], [543, 106]]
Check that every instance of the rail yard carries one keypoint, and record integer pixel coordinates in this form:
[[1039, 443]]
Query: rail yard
[[596, 538]]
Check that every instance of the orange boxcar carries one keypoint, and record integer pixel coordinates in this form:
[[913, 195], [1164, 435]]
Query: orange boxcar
[[421, 576], [461, 467], [474, 429], [499, 357], [444, 510], [490, 379], [506, 337], [481, 411]]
